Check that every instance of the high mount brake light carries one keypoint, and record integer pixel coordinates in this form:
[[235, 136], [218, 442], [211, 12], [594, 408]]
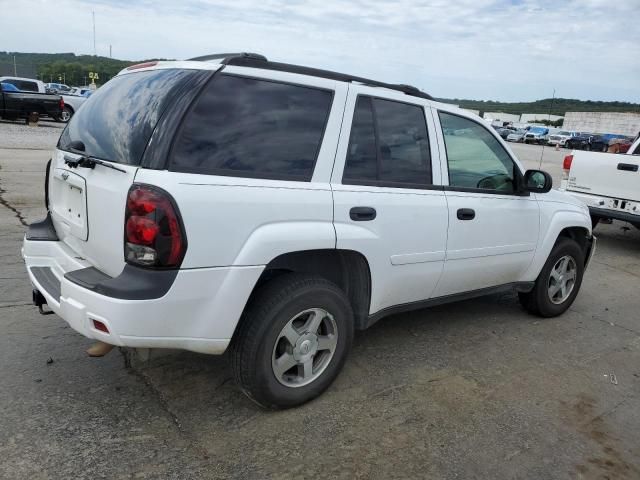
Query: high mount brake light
[[142, 65], [153, 231]]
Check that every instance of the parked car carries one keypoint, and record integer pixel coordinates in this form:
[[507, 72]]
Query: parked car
[[223, 202], [16, 104], [71, 105], [504, 132], [536, 135], [81, 91], [620, 145], [25, 84], [516, 136], [561, 137], [587, 141], [607, 183], [60, 88]]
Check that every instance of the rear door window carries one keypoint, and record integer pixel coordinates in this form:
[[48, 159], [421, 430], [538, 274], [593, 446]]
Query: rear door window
[[253, 128], [389, 145], [116, 122]]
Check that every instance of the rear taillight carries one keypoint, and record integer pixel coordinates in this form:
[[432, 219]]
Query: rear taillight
[[61, 103], [566, 166], [153, 231]]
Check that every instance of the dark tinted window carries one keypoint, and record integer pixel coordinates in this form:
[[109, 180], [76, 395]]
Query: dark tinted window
[[256, 128], [116, 122], [389, 145], [362, 157], [23, 85], [475, 157]]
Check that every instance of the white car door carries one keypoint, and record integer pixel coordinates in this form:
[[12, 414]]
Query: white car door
[[493, 226], [385, 203]]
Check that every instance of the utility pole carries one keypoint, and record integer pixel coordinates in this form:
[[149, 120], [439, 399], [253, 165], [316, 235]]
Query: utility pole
[[15, 69], [110, 56], [94, 33]]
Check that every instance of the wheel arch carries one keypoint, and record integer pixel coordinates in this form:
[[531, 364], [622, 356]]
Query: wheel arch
[[348, 269], [564, 224]]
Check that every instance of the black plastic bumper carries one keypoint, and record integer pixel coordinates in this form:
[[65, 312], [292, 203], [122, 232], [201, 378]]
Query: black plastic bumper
[[615, 215]]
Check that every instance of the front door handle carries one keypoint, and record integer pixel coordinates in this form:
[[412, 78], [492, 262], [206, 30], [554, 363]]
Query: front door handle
[[466, 214], [362, 214]]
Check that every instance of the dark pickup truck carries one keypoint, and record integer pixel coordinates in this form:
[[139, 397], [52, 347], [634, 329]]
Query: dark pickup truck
[[15, 104]]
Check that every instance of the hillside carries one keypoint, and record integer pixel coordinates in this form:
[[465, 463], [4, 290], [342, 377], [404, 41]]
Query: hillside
[[74, 70], [560, 106]]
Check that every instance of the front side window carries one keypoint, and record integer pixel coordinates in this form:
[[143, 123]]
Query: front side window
[[389, 145], [475, 158], [254, 128]]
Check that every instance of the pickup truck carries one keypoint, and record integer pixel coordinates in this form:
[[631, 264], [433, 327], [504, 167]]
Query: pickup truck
[[15, 104], [609, 183]]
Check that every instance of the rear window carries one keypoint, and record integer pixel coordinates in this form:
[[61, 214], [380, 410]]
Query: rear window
[[116, 122], [253, 128]]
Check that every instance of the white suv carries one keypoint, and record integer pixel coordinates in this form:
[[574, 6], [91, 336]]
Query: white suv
[[229, 201]]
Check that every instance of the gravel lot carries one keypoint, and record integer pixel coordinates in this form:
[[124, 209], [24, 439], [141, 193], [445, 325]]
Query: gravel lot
[[20, 136], [477, 389]]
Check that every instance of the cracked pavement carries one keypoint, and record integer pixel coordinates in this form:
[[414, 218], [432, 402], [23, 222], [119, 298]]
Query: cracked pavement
[[477, 389]]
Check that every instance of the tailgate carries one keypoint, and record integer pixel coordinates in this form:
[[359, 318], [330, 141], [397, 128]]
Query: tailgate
[[87, 208], [605, 174]]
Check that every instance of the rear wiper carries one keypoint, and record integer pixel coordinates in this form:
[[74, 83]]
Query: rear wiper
[[88, 161]]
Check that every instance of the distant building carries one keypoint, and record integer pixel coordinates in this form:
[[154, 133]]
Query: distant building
[[532, 117], [603, 122]]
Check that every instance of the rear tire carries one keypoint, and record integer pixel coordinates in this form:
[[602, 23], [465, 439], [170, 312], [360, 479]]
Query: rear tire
[[541, 301], [65, 116], [265, 344]]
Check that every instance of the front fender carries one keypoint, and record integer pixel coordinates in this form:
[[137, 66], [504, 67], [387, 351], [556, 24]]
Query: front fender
[[551, 224]]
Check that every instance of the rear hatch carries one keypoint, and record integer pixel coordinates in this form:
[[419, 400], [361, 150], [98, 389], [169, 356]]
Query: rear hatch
[[114, 126], [605, 174]]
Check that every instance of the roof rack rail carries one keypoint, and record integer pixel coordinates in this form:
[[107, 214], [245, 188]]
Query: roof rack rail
[[244, 59], [258, 61], [228, 56]]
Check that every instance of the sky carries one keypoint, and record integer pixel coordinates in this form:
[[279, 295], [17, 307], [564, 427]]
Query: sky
[[506, 50]]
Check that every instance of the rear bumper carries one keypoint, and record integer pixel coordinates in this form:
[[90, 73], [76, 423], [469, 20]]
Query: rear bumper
[[598, 206], [197, 311]]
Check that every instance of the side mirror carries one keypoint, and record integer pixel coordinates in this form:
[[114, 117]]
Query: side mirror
[[537, 181]]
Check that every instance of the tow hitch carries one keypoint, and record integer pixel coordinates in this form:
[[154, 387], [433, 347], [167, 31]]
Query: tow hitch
[[39, 301]]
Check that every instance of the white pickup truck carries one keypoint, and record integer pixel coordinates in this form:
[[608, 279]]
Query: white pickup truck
[[608, 183]]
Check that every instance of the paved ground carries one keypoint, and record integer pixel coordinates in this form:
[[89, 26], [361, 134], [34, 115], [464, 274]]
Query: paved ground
[[478, 389]]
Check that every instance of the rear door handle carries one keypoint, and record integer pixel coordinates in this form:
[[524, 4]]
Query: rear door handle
[[362, 214], [628, 167], [466, 214]]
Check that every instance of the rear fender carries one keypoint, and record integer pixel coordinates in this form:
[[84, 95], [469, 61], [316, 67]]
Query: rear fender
[[274, 239]]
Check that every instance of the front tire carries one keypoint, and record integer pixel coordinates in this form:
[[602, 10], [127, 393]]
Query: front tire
[[292, 341], [559, 281]]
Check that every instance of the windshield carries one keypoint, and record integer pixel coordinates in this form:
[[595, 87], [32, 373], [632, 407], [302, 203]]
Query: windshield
[[538, 130], [564, 133], [116, 122]]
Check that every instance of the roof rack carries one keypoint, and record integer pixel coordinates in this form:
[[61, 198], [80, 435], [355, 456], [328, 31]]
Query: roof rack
[[256, 60], [227, 56]]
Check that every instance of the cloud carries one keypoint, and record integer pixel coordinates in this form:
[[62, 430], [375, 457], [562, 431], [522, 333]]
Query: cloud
[[485, 49]]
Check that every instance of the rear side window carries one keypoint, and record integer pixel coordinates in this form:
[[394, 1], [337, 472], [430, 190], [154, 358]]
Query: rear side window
[[253, 128], [23, 85], [116, 122], [389, 145]]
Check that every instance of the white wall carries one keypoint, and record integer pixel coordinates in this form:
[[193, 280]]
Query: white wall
[[603, 122], [528, 117], [504, 117]]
